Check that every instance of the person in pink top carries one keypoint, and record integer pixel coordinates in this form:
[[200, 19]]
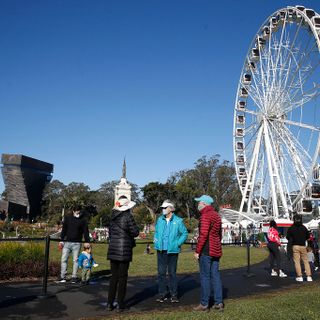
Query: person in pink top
[[273, 246]]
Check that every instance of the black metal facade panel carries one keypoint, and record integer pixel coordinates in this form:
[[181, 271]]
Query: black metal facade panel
[[15, 185], [26, 162], [25, 179]]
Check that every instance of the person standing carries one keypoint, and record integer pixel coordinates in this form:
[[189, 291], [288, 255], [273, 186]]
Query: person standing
[[122, 232], [74, 228], [208, 253], [297, 235], [273, 246], [313, 243], [170, 234]]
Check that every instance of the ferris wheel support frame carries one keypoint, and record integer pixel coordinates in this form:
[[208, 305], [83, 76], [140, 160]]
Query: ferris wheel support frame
[[274, 175]]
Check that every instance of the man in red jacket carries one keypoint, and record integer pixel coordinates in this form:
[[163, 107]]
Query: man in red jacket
[[208, 252]]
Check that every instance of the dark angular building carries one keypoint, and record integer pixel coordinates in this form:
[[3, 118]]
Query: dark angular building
[[24, 179]]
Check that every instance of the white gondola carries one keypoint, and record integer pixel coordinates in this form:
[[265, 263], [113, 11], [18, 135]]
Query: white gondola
[[298, 13], [274, 24], [255, 54], [246, 79], [240, 159], [251, 66], [260, 42], [316, 22], [281, 16], [316, 173], [241, 105], [241, 119], [291, 14], [243, 93], [308, 192], [240, 146], [239, 132], [242, 172], [300, 8], [315, 191], [306, 206], [243, 183], [309, 13], [265, 32]]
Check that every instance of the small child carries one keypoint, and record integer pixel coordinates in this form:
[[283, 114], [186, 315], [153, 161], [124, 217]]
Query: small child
[[86, 262], [310, 257]]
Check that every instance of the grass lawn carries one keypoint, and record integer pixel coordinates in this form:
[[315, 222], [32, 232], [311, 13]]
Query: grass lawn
[[292, 304], [146, 265]]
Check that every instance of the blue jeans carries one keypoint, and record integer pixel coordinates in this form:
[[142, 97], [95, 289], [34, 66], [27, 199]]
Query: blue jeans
[[69, 247], [167, 262], [210, 279]]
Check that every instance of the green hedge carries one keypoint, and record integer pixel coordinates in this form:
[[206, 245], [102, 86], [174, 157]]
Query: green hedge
[[24, 260]]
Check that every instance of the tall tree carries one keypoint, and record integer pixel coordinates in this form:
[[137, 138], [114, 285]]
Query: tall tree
[[207, 177], [226, 189], [53, 201], [154, 193]]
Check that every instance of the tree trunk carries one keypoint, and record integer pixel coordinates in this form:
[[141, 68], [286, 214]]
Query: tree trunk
[[152, 213], [188, 210]]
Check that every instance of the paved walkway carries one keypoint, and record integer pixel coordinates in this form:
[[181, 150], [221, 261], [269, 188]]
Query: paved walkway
[[67, 301]]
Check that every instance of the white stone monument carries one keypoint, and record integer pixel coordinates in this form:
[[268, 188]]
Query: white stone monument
[[123, 188]]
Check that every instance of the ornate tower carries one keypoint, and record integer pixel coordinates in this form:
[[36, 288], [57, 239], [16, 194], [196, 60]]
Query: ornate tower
[[123, 188]]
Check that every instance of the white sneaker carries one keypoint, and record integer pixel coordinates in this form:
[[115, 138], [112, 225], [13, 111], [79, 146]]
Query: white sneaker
[[316, 268], [282, 274], [309, 279], [274, 273], [299, 279]]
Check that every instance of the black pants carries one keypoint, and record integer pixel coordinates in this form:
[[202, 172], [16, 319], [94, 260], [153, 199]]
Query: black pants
[[119, 277], [274, 255]]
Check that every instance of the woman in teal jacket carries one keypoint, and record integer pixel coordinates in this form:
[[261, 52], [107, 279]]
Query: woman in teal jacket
[[170, 234]]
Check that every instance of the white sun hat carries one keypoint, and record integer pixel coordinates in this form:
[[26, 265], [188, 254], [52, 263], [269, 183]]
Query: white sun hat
[[124, 204]]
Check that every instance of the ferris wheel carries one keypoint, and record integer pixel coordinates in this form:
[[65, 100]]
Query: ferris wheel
[[277, 116]]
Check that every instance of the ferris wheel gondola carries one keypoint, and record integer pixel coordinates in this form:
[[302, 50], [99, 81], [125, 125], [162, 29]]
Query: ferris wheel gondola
[[277, 115]]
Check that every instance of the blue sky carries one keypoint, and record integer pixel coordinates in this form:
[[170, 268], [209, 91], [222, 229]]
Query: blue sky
[[85, 83]]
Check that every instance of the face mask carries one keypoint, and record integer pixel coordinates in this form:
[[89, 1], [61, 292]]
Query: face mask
[[200, 206], [164, 211]]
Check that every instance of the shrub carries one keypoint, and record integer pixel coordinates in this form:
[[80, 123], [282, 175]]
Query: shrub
[[21, 260]]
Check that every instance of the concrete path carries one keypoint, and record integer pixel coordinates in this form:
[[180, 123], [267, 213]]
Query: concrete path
[[74, 301]]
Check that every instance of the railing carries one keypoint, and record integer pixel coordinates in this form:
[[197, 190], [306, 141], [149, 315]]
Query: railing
[[48, 239]]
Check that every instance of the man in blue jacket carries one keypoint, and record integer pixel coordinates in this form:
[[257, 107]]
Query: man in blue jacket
[[170, 234]]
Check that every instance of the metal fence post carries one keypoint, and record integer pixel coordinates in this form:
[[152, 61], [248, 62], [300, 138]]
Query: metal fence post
[[248, 274], [248, 256], [46, 266]]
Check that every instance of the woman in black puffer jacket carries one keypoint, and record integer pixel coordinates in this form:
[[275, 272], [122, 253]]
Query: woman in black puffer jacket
[[122, 232]]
